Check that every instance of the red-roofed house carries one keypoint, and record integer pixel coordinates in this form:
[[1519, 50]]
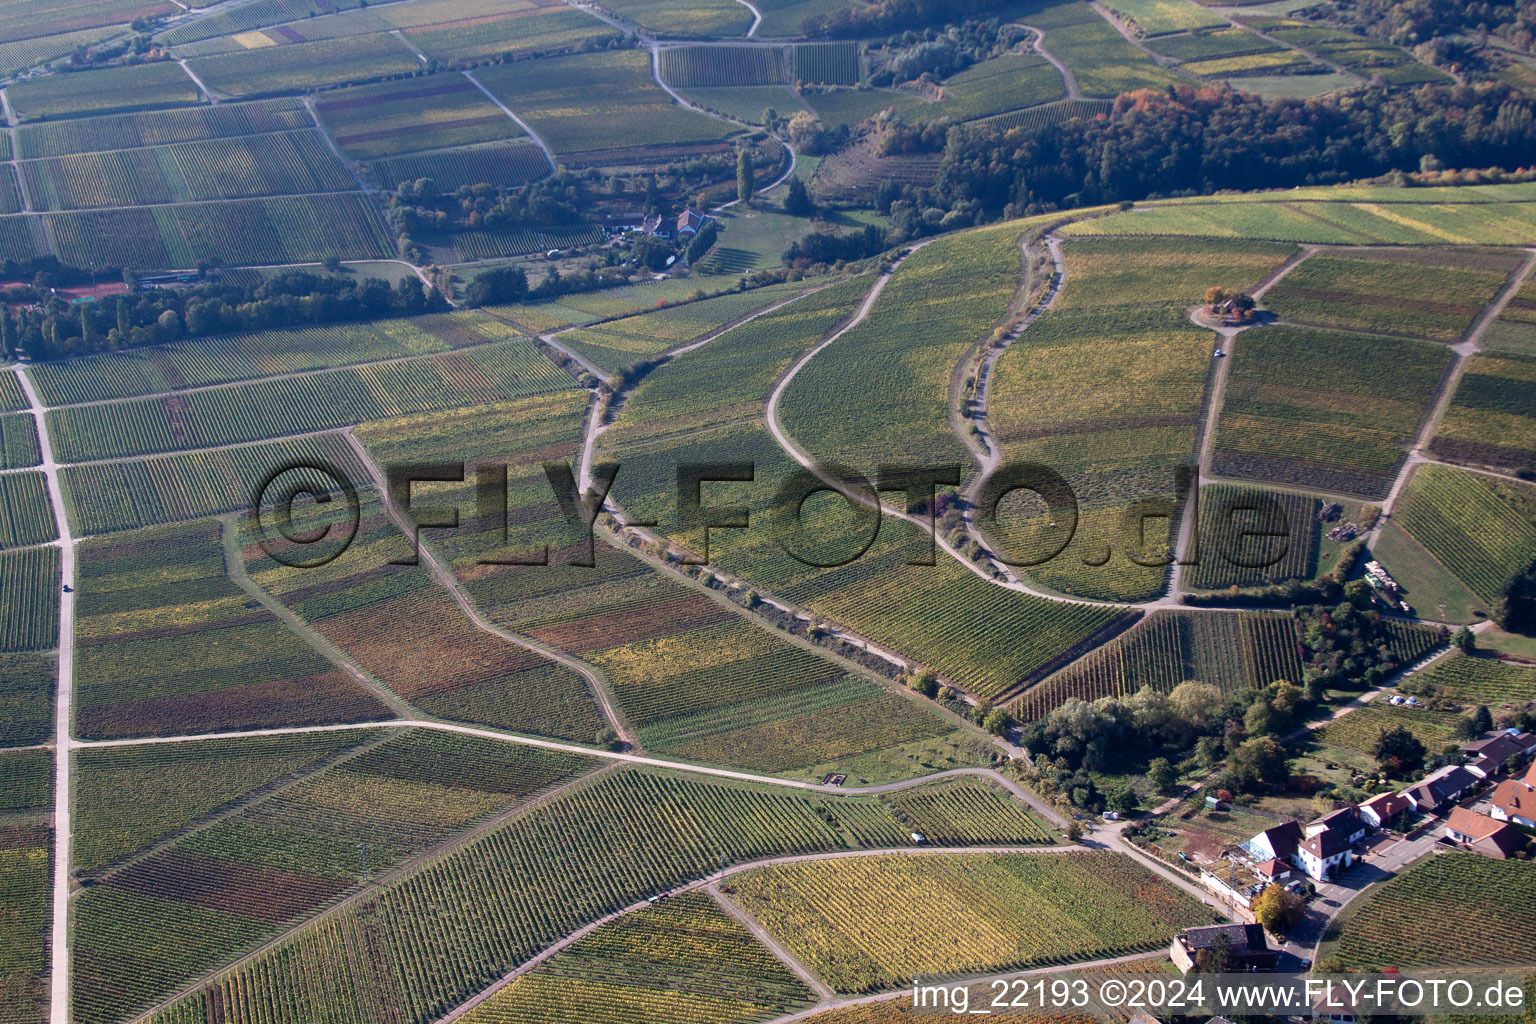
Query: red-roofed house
[[1515, 800], [1483, 835], [1383, 808]]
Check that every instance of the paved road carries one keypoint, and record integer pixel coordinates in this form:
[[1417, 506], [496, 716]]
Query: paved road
[[63, 716], [1333, 896]]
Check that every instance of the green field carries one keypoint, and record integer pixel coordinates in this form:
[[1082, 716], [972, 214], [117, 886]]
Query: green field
[[729, 378], [26, 698], [18, 441], [131, 798], [155, 599], [1492, 417], [1427, 585], [1233, 650], [1225, 42], [159, 128], [1387, 293], [401, 626], [1103, 63], [248, 166], [1515, 329], [507, 166], [589, 851], [302, 67], [431, 112], [1396, 924], [322, 400], [674, 963], [29, 601], [1158, 17], [225, 359], [1470, 222], [523, 30], [598, 101], [1480, 527], [684, 18], [1359, 729], [290, 229], [111, 91], [1481, 678], [619, 343], [25, 515], [286, 852], [1253, 537], [880, 393], [873, 923], [1324, 410], [105, 497]]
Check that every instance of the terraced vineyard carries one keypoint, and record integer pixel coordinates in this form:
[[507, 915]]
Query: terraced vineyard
[[1385, 292], [589, 851], [1482, 678], [1324, 410], [18, 441], [311, 402], [25, 515], [1491, 420], [29, 605], [1394, 926], [1231, 650], [873, 923], [1251, 537], [159, 128], [1479, 527], [674, 963], [295, 849], [1359, 730], [165, 598], [26, 698], [251, 165], [110, 91], [297, 67], [225, 359], [397, 623], [598, 101], [432, 112], [507, 166], [109, 496]]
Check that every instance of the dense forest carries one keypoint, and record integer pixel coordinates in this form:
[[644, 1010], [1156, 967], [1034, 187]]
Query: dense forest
[[1187, 140]]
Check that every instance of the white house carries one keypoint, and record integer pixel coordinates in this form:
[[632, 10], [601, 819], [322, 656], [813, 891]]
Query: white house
[[1514, 800], [1276, 843], [1346, 821], [1324, 855], [1383, 808]]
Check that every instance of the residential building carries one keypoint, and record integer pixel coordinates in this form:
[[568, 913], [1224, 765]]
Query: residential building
[[1440, 789], [1515, 800], [690, 222], [1345, 820], [1325, 854], [1483, 835], [1486, 757], [1383, 809], [1278, 842], [1246, 945]]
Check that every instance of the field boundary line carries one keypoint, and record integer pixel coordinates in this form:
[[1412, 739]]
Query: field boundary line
[[207, 92], [255, 798], [285, 375], [1067, 77], [538, 139], [1470, 346], [781, 435], [376, 883], [972, 981], [63, 793], [1210, 412], [713, 879], [234, 567], [596, 681], [769, 943], [331, 144]]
